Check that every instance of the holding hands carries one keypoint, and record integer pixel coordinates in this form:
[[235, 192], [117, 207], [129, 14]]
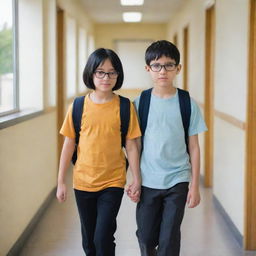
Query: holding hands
[[133, 191]]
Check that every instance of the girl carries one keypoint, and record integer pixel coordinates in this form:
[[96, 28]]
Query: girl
[[99, 174]]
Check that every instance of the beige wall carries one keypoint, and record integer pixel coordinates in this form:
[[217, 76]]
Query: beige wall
[[230, 87], [49, 53], [31, 51], [107, 34], [134, 35], [230, 98], [28, 174], [28, 157], [193, 16], [28, 150], [75, 9], [75, 20]]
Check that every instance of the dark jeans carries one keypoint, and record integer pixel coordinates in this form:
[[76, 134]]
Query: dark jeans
[[98, 212], [159, 215]]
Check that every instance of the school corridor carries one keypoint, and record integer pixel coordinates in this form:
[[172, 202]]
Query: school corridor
[[204, 232], [44, 46]]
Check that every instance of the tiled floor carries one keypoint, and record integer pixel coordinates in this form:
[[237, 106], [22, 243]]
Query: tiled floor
[[204, 233]]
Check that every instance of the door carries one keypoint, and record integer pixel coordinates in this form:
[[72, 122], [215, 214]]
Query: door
[[209, 92]]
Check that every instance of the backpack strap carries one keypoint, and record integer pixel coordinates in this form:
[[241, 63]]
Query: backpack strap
[[124, 118], [144, 109], [77, 113], [185, 110]]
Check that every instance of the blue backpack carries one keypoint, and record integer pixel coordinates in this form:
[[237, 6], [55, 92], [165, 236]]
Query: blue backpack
[[77, 116], [185, 110]]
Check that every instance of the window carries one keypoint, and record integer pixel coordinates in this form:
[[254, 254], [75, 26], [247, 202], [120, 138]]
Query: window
[[8, 60]]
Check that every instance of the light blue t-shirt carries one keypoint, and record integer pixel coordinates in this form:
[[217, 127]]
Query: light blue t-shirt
[[165, 161]]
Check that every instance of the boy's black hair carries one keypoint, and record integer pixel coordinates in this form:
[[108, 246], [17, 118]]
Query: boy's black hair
[[93, 62], [162, 48]]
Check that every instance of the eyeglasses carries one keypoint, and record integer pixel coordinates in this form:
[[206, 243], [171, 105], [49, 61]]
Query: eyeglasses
[[156, 67], [101, 74]]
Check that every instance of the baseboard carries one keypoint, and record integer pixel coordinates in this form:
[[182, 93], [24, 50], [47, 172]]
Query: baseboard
[[17, 247], [201, 179], [233, 229]]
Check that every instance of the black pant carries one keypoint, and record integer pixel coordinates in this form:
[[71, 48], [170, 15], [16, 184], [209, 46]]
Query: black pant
[[159, 215], [98, 212]]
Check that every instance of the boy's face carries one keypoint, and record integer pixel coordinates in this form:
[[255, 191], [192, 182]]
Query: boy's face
[[163, 71]]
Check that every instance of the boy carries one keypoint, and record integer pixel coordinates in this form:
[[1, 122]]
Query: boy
[[167, 163]]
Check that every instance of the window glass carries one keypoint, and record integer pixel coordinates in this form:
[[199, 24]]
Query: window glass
[[7, 57]]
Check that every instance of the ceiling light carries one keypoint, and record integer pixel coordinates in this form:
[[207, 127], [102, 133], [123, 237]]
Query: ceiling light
[[132, 2], [132, 16]]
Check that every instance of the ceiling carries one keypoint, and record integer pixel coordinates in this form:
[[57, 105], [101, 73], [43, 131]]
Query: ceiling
[[110, 11]]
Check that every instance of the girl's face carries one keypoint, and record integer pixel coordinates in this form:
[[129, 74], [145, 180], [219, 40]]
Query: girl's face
[[105, 77]]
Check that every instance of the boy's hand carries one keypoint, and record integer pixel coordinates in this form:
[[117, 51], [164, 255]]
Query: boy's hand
[[61, 193], [193, 198], [133, 191]]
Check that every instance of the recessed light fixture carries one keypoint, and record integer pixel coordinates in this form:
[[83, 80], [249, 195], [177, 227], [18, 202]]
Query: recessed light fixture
[[132, 2], [132, 16]]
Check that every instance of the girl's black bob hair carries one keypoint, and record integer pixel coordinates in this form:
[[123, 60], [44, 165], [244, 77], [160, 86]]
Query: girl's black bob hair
[[162, 48], [95, 59]]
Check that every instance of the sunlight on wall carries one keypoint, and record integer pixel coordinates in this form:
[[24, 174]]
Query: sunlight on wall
[[31, 54], [82, 58], [71, 57]]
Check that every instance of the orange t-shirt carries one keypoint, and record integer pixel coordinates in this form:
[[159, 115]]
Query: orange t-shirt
[[100, 159]]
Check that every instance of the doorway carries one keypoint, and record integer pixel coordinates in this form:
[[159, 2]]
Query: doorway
[[209, 93], [250, 176], [132, 55], [60, 76], [185, 58]]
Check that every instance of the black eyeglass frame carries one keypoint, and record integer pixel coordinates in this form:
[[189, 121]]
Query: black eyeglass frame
[[159, 67], [111, 75]]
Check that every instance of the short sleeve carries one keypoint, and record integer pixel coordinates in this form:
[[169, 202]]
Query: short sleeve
[[136, 103], [197, 124], [67, 128], [134, 128]]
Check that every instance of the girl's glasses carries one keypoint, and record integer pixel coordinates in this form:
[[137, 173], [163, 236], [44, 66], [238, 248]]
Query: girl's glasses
[[101, 74]]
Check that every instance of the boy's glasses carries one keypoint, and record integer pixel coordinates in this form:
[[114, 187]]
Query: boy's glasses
[[156, 67], [101, 74]]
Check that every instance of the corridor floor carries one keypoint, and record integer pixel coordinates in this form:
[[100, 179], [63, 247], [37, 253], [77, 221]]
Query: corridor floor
[[204, 233]]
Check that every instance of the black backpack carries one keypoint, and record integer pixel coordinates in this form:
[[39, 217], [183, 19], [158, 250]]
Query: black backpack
[[185, 110], [77, 116]]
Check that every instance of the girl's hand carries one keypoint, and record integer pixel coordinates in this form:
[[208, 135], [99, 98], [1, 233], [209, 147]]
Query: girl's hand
[[193, 198], [133, 191], [61, 193]]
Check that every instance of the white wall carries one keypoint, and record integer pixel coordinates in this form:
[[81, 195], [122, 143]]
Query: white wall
[[28, 150], [230, 90], [228, 178], [132, 55], [91, 44], [82, 57], [193, 17], [230, 98], [49, 48], [79, 40], [31, 51], [70, 38], [231, 61]]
